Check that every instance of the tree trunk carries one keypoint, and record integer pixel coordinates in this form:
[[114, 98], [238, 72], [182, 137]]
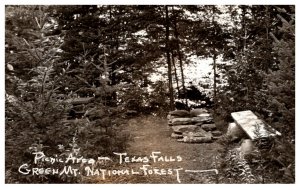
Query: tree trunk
[[214, 62], [105, 75], [180, 60], [176, 76], [215, 77], [244, 28], [171, 96], [112, 74], [267, 43]]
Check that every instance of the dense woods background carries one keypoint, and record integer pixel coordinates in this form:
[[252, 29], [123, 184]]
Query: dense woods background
[[57, 53]]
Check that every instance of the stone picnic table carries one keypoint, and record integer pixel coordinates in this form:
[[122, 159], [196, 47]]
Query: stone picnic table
[[254, 127]]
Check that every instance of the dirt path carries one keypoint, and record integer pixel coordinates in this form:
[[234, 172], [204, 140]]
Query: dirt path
[[152, 134]]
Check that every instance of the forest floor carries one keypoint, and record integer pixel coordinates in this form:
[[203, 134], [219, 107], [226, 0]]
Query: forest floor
[[152, 134]]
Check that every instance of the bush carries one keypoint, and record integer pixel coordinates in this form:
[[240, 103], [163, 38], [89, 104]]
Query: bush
[[36, 108]]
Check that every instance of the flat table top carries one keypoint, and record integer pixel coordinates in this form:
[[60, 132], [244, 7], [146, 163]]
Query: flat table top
[[254, 127]]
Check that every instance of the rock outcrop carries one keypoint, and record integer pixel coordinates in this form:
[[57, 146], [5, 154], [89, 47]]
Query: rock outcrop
[[196, 126]]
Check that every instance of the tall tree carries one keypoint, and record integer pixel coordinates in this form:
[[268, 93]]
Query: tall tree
[[175, 16], [251, 60], [167, 25], [279, 87], [175, 72]]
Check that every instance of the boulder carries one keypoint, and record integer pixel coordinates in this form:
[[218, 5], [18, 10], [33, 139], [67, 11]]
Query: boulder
[[202, 118], [188, 139], [170, 117], [216, 133], [197, 133], [176, 136], [199, 123], [177, 132], [208, 127], [235, 132], [216, 138], [185, 128], [181, 121], [180, 113], [198, 111], [197, 136], [246, 147], [204, 115]]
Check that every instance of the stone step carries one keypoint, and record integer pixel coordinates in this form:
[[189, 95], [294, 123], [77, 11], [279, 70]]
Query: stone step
[[191, 120], [185, 128], [216, 133], [176, 136], [209, 127], [197, 111], [188, 139], [179, 113]]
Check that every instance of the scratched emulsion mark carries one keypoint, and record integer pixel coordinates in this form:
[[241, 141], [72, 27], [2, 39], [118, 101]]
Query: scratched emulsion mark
[[74, 165]]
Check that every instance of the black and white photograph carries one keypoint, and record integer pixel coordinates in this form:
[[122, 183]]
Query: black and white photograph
[[149, 94]]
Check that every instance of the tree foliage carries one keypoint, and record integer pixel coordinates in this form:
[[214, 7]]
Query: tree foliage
[[110, 53]]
